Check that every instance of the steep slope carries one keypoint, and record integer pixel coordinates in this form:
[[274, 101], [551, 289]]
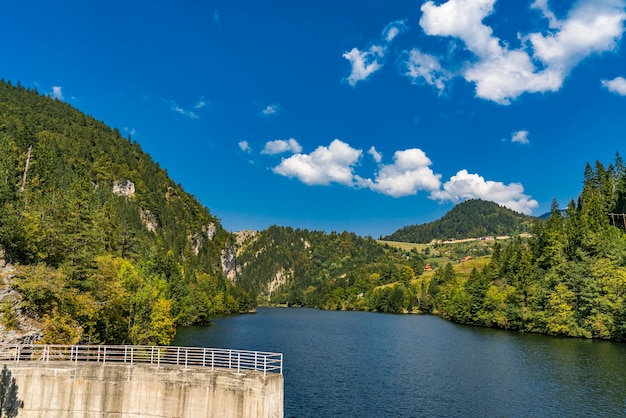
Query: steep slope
[[108, 247], [470, 219], [316, 269]]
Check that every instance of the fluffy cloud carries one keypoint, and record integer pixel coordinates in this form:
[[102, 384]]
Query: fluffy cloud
[[57, 92], [409, 174], [520, 137], [245, 147], [424, 67], [464, 185], [377, 156], [542, 63], [280, 145], [325, 165], [270, 110], [617, 85], [364, 63]]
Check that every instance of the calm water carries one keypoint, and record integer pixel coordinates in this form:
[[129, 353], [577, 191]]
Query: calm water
[[358, 364]]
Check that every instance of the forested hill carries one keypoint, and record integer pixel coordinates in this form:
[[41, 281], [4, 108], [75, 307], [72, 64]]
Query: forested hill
[[327, 271], [469, 219], [107, 247]]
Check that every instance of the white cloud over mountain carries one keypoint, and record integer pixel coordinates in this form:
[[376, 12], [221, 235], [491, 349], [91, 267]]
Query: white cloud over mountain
[[408, 174], [463, 186], [325, 165]]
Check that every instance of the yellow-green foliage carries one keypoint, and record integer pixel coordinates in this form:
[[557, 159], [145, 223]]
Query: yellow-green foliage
[[72, 235], [8, 317]]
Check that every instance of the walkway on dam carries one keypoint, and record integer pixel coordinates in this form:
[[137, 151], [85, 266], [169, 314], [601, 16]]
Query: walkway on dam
[[212, 358]]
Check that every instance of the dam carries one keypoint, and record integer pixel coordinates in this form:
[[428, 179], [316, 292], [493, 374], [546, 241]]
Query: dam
[[55, 381]]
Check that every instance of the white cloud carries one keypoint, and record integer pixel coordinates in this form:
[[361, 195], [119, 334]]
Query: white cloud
[[364, 63], [464, 186], [188, 113], [270, 110], [421, 66], [617, 85], [377, 156], [57, 92], [245, 147], [394, 29], [520, 137], [542, 63], [592, 26], [325, 165], [542, 5], [409, 174], [200, 103], [280, 146]]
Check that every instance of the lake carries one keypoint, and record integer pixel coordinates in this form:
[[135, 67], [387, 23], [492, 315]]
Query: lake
[[360, 364]]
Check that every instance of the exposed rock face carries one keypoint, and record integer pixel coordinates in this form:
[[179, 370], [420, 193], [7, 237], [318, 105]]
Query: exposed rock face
[[244, 235], [124, 188], [149, 220], [229, 263], [210, 230], [279, 279]]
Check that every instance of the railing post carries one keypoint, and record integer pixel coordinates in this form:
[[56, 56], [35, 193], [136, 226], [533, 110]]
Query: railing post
[[245, 360]]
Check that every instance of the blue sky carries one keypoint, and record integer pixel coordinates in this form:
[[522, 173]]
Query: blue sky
[[358, 115]]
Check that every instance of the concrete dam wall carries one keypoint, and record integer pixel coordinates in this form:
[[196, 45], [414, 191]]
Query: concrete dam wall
[[95, 390]]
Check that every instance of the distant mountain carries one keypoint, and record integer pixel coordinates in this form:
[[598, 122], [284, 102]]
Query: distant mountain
[[329, 271], [470, 219]]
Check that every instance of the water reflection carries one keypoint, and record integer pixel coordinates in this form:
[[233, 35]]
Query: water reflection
[[365, 364]]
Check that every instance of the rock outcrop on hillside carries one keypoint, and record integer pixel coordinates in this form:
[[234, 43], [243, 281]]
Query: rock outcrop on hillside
[[24, 329]]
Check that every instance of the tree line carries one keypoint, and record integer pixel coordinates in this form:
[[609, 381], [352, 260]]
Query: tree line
[[94, 265]]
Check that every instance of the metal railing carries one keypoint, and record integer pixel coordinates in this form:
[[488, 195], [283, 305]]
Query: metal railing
[[130, 354]]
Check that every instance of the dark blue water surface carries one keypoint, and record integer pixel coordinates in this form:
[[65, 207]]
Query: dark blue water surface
[[359, 364]]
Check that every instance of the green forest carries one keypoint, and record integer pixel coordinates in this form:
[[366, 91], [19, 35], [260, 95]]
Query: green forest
[[566, 277], [108, 248], [472, 218], [569, 279]]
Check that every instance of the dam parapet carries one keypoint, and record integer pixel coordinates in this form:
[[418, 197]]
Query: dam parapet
[[145, 381]]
